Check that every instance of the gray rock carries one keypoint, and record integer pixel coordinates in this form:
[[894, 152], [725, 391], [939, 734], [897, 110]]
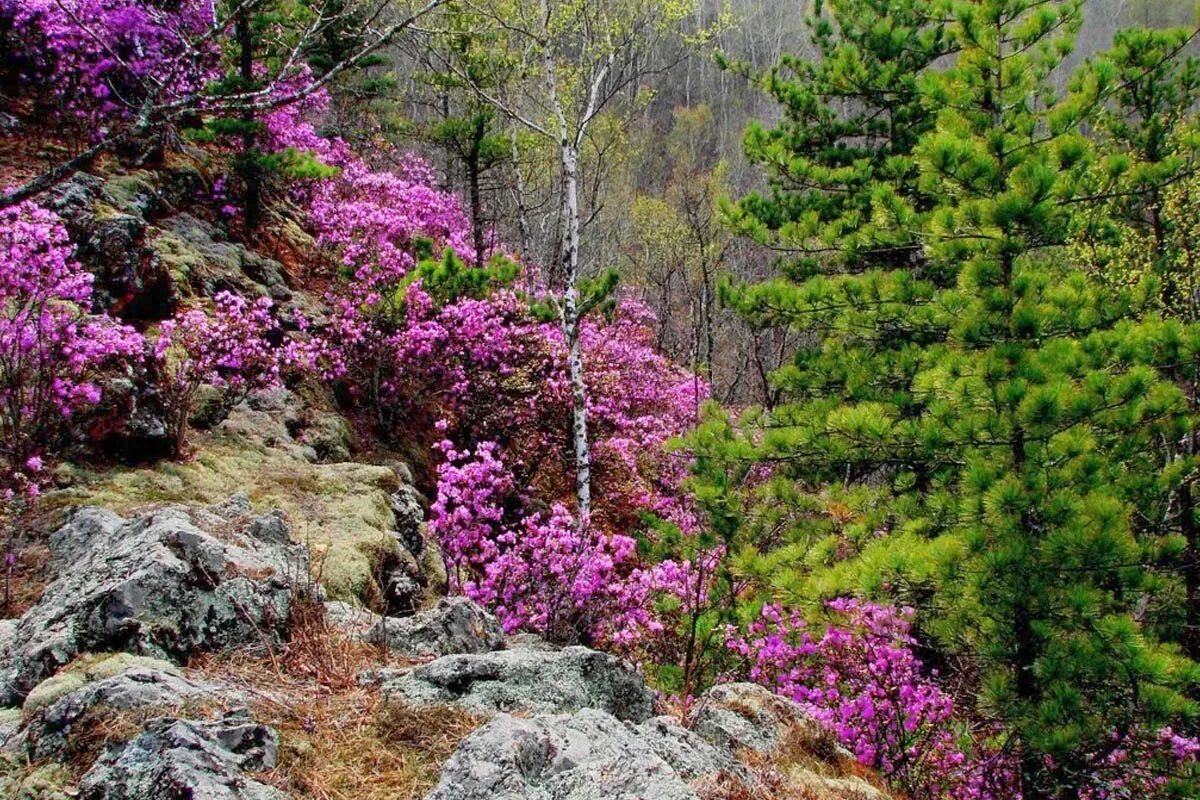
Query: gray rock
[[736, 716], [130, 279], [410, 516], [72, 200], [199, 255], [178, 759], [586, 756], [136, 193], [169, 583], [535, 681], [686, 751], [138, 687], [353, 621], [11, 740], [268, 417], [454, 625]]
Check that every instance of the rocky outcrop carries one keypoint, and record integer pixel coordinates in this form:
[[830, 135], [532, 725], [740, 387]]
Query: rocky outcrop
[[135, 233], [176, 759], [527, 680], [454, 625], [688, 753], [68, 705], [590, 755], [736, 716], [168, 583], [197, 254]]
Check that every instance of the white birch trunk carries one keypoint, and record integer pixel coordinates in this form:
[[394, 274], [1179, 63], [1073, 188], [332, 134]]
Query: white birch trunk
[[570, 272]]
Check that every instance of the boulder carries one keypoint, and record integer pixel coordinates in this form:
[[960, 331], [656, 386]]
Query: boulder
[[129, 280], [107, 221], [454, 625], [168, 583], [590, 755], [198, 255], [353, 621], [141, 687], [417, 575], [175, 759], [329, 435], [737, 716], [527, 680], [688, 753], [267, 417]]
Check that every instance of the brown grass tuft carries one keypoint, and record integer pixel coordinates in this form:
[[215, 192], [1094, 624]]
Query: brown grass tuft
[[436, 730], [338, 740], [353, 746], [318, 651]]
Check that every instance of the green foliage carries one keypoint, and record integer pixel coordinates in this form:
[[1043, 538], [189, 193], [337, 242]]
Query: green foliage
[[976, 424], [449, 279], [596, 294]]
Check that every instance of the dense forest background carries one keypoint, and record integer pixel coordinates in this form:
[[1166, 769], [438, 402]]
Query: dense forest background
[[669, 148]]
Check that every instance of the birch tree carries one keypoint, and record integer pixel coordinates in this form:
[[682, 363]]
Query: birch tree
[[578, 58]]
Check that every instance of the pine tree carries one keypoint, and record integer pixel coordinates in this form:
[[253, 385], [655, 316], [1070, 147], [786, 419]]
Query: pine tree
[[461, 62], [989, 409], [1143, 225]]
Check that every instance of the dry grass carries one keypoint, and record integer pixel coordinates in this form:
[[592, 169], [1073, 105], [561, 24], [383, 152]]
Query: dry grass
[[339, 741], [25, 582], [104, 725], [353, 746]]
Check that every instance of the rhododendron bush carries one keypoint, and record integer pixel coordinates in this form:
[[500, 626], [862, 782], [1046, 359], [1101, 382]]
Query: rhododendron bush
[[861, 678], [491, 374], [54, 353], [239, 348], [432, 352], [101, 59]]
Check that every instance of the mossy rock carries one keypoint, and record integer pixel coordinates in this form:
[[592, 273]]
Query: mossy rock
[[87, 669], [20, 780], [136, 192], [199, 256], [341, 511], [330, 436]]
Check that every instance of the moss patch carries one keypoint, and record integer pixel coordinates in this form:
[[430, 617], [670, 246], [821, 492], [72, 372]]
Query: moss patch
[[85, 670], [20, 780]]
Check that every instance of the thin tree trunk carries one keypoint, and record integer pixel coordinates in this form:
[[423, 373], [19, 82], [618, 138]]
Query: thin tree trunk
[[570, 278], [473, 178], [519, 197], [250, 166]]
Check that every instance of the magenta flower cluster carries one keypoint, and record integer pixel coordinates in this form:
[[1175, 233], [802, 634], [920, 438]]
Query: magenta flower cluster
[[238, 348], [102, 59], [493, 378], [54, 353], [861, 678]]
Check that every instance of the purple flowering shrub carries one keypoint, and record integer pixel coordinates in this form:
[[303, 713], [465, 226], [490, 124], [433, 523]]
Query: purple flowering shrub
[[102, 59], [483, 377], [239, 348], [861, 678], [492, 377], [54, 353]]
